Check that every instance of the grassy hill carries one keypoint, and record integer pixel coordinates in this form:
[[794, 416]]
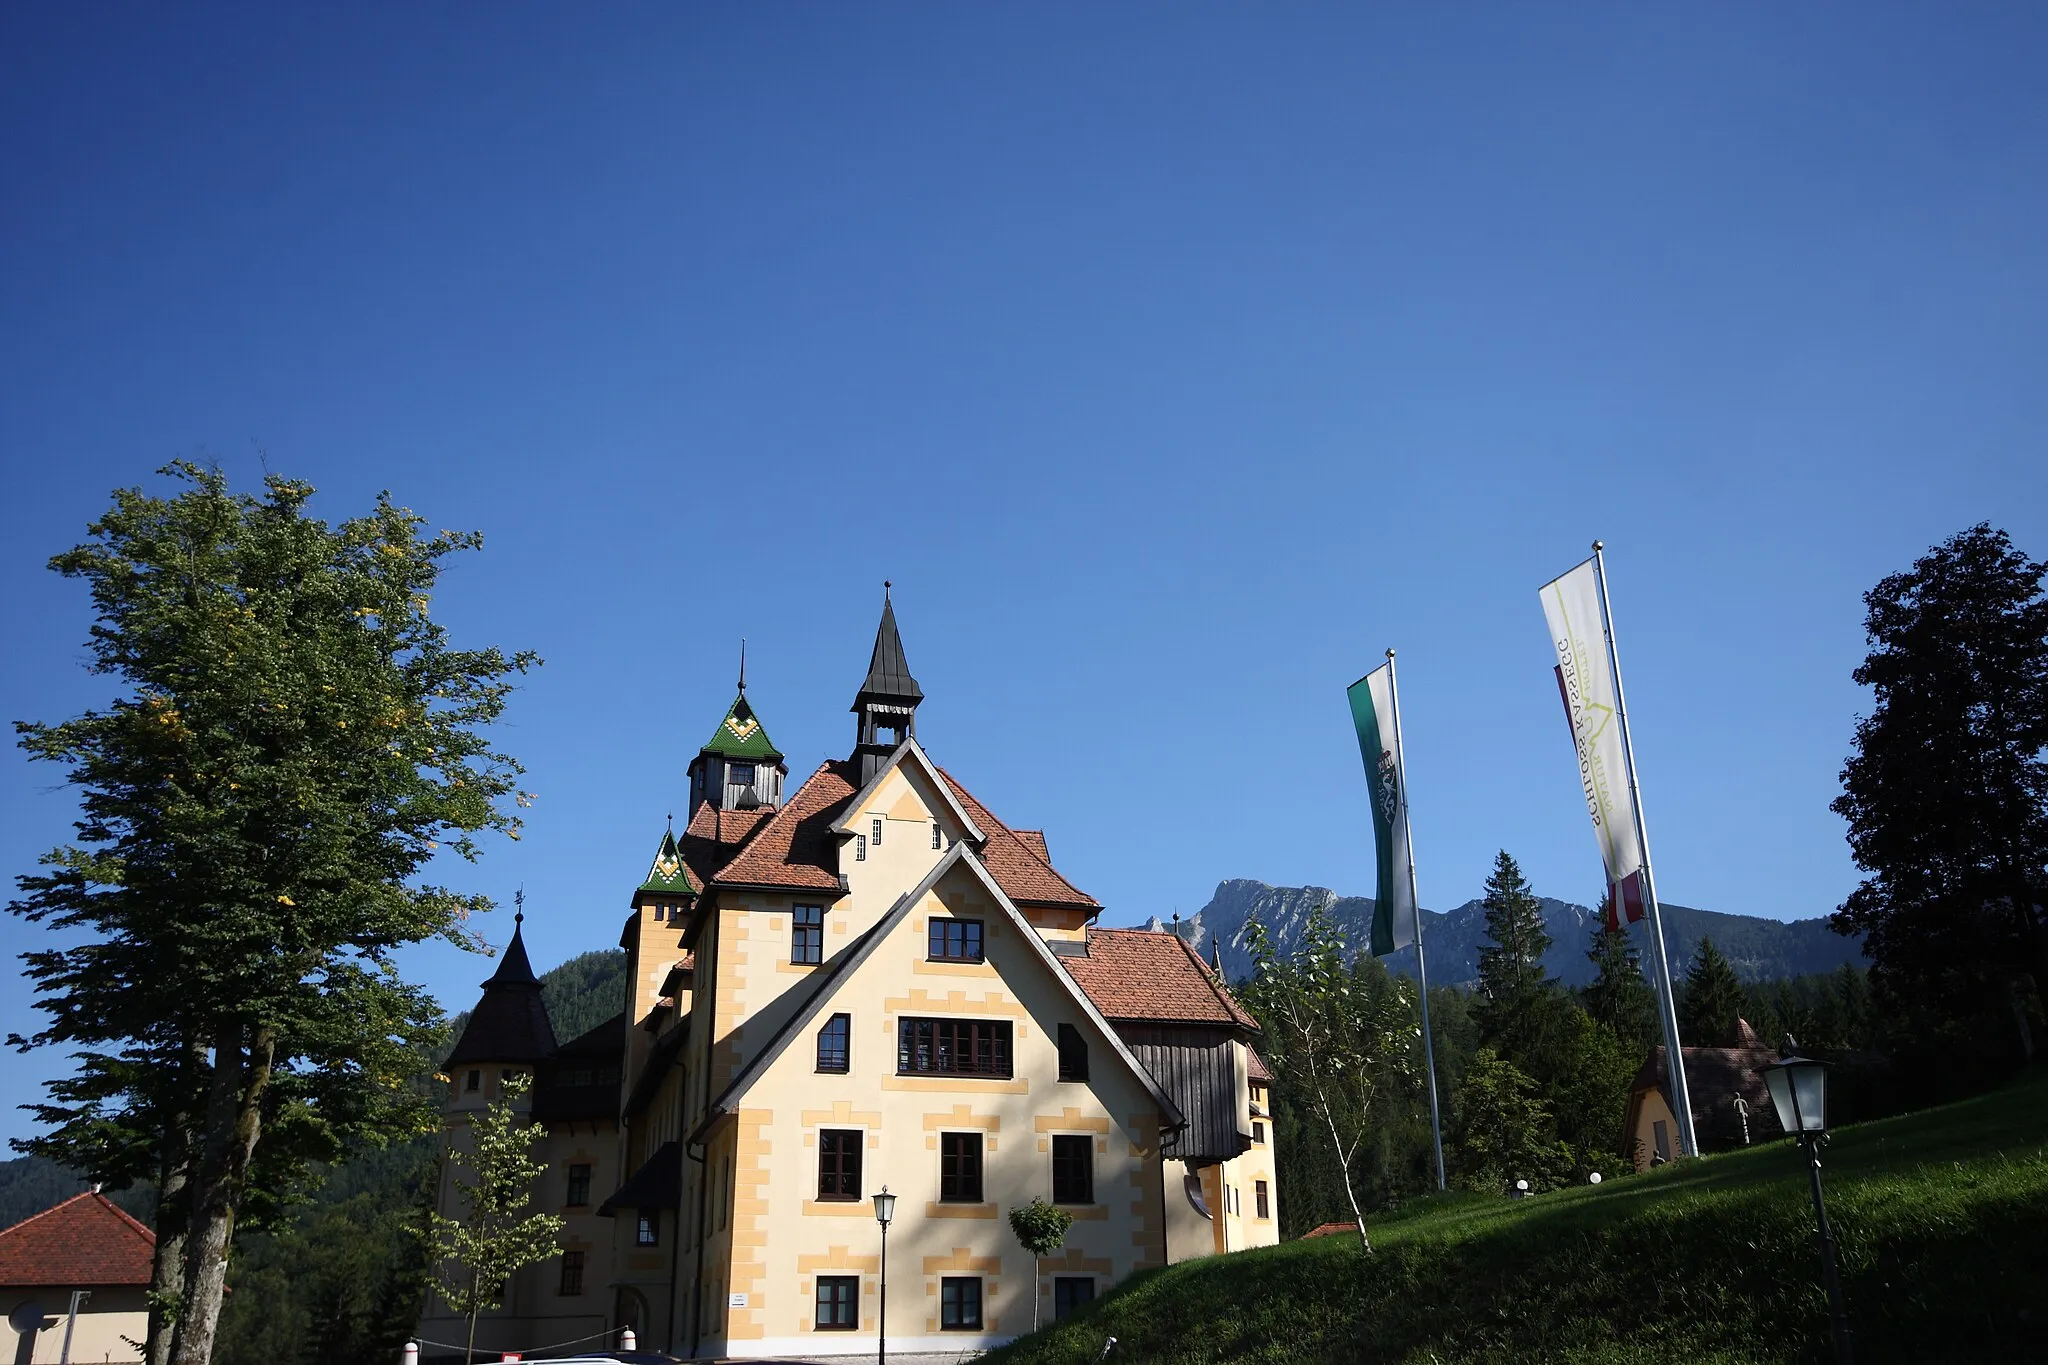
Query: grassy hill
[[1941, 1217]]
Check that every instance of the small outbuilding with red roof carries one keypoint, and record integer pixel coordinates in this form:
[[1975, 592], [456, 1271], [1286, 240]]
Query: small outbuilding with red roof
[[89, 1245]]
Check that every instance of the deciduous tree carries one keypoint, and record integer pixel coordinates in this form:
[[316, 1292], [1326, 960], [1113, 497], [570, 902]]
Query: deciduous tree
[[496, 1236], [1338, 1049], [292, 741], [1040, 1228], [1946, 793]]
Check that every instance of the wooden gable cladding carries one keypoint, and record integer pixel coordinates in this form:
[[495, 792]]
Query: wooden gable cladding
[[1202, 1069]]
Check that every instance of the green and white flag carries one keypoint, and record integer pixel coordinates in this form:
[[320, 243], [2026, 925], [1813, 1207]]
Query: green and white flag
[[1379, 744]]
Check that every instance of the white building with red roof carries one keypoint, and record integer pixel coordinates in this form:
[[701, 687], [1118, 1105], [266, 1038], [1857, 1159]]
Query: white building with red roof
[[875, 982], [86, 1245]]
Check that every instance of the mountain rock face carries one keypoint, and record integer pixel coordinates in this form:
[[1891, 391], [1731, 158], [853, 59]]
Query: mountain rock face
[[1759, 949]]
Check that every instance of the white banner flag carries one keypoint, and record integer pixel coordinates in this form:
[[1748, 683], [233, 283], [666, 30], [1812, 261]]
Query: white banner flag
[[1585, 679]]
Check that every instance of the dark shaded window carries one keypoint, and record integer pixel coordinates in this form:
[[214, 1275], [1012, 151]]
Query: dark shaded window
[[647, 1232], [1259, 1132], [1073, 1169], [959, 1304], [579, 1186], [742, 775], [1070, 1292], [1262, 1199], [838, 1302], [1073, 1054], [572, 1274], [807, 933], [474, 1081], [839, 1163], [876, 827], [960, 1168], [955, 940], [954, 1047], [834, 1043], [935, 834]]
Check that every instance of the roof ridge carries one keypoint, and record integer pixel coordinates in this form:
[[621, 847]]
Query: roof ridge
[[134, 1224], [968, 798], [1222, 992], [128, 1220]]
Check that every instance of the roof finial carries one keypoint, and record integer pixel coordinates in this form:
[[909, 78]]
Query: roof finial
[[671, 822], [886, 585], [743, 666], [519, 904]]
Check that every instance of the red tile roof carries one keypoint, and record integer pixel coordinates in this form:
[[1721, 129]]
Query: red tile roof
[[1136, 974], [1258, 1070], [84, 1242], [1022, 871], [714, 836], [795, 847], [1034, 839]]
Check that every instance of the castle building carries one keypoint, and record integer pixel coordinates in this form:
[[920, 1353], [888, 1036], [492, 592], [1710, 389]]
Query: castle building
[[874, 983]]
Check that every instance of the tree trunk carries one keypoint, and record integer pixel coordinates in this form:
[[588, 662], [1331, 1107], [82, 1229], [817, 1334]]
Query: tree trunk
[[234, 1123], [166, 1264], [1344, 1169]]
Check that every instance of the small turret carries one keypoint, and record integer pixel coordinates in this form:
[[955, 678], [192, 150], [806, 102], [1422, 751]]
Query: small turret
[[738, 768], [888, 698], [509, 1028]]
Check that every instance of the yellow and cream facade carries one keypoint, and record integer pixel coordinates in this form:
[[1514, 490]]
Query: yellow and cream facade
[[875, 984]]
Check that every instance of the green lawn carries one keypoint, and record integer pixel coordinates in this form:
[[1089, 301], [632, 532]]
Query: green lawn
[[1941, 1218]]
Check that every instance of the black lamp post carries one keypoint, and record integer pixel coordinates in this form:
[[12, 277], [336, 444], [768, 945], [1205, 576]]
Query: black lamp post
[[1799, 1092], [885, 1209]]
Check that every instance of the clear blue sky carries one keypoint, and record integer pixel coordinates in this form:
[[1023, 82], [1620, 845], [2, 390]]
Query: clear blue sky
[[1173, 361]]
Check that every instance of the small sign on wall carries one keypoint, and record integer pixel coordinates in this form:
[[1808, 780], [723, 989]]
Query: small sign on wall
[[736, 1300]]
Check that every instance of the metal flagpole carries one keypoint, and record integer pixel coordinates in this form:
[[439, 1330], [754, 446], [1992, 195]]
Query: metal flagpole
[[1436, 1126], [1674, 1056]]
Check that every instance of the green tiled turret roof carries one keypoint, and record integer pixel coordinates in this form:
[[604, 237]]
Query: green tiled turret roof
[[669, 876], [741, 734]]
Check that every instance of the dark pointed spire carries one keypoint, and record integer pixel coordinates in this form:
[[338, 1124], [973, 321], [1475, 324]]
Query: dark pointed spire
[[510, 1023], [743, 665], [888, 671]]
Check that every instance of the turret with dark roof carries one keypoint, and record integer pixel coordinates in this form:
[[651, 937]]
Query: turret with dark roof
[[887, 700], [510, 1024]]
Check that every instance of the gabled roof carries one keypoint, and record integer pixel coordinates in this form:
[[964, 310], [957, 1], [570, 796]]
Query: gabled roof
[[668, 875], [714, 837], [1026, 876], [741, 735], [1138, 976], [888, 671], [961, 855], [1713, 1077], [510, 1023], [910, 753], [86, 1242]]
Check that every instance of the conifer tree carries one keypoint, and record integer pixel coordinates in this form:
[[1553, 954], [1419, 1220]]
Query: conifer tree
[[1511, 975], [1620, 998], [1711, 1007]]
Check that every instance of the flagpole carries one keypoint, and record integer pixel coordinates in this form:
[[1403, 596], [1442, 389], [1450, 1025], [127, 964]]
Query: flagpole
[[1436, 1126], [1674, 1055]]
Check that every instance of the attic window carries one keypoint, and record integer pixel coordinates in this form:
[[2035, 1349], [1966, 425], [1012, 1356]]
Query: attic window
[[935, 834], [860, 848], [1073, 1054], [955, 940]]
